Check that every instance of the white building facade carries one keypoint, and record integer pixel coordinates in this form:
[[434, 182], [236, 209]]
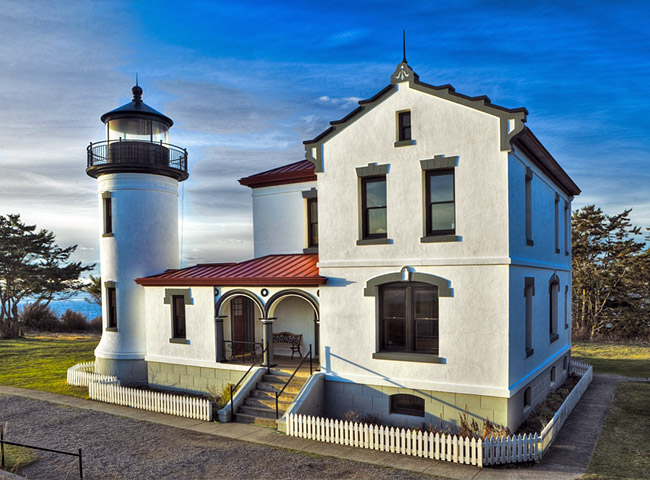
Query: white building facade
[[422, 249]]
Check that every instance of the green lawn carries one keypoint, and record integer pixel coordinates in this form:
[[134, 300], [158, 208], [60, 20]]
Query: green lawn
[[41, 362], [628, 359], [623, 449]]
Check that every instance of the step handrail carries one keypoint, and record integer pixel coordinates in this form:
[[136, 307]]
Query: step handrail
[[268, 370], [277, 394]]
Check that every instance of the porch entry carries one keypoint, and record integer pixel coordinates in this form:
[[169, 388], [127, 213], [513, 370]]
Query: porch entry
[[242, 314]]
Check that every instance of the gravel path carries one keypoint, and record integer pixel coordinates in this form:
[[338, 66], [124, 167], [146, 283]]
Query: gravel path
[[116, 447]]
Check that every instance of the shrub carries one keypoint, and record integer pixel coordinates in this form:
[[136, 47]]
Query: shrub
[[221, 399], [40, 317], [96, 324], [74, 321], [351, 416]]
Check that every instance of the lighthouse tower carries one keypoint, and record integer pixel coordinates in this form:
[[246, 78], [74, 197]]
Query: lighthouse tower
[[137, 173]]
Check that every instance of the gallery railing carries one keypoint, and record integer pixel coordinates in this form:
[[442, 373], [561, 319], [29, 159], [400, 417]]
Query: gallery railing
[[243, 352]]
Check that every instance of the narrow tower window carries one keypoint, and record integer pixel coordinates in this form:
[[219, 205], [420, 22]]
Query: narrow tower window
[[107, 202], [111, 295], [404, 126]]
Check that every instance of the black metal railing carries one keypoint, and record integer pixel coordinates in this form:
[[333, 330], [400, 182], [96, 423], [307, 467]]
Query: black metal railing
[[311, 370], [131, 152], [240, 351], [4, 442], [234, 389]]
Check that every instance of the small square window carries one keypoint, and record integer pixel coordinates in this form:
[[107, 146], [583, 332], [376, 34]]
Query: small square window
[[404, 126]]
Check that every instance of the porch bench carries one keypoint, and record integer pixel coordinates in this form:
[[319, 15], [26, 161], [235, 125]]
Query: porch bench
[[292, 340]]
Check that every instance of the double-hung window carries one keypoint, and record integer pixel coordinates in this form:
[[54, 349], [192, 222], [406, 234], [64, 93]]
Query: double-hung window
[[408, 318], [373, 199], [441, 216], [178, 316], [404, 126], [312, 222]]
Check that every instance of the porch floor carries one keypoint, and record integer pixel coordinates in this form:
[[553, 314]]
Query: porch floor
[[288, 364]]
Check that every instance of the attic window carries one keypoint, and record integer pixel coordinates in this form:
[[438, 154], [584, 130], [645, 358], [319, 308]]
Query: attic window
[[404, 129]]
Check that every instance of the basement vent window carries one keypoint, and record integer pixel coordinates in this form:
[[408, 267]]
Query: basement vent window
[[405, 404]]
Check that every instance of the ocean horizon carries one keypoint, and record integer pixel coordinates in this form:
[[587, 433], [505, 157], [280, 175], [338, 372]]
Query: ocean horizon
[[81, 302]]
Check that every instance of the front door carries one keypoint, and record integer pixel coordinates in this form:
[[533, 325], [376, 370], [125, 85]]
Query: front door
[[243, 326]]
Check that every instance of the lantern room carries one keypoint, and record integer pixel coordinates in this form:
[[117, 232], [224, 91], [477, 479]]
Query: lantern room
[[137, 140]]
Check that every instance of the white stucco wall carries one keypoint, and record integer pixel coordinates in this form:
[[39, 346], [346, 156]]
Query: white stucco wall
[[473, 332], [439, 127], [279, 218], [144, 242]]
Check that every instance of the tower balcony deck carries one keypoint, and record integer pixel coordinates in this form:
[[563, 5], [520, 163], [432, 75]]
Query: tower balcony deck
[[134, 156]]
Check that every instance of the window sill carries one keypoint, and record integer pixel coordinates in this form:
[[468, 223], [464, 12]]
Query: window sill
[[310, 250], [404, 143], [111, 329], [440, 238], [529, 242], [557, 250], [554, 337], [408, 357], [181, 341], [529, 352], [375, 241], [107, 235]]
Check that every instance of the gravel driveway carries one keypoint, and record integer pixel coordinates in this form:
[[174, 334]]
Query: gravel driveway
[[116, 447]]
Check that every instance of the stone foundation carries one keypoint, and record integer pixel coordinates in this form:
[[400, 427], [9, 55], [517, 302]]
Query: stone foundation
[[191, 379]]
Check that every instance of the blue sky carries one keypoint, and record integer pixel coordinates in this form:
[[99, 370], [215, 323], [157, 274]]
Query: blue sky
[[246, 82]]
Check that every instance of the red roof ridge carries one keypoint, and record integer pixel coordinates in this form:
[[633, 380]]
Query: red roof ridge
[[296, 172]]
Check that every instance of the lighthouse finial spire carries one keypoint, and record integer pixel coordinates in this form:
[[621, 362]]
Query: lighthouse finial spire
[[404, 46]]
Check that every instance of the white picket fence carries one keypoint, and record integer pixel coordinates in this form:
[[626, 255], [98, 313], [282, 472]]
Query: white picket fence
[[181, 406], [450, 448], [106, 388], [81, 374], [437, 446]]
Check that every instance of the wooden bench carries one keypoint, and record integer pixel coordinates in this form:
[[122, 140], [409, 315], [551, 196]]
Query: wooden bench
[[292, 340]]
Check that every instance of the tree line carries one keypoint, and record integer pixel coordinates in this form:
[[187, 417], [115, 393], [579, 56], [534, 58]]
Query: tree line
[[611, 275]]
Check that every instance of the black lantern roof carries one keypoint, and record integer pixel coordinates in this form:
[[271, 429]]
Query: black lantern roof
[[137, 108]]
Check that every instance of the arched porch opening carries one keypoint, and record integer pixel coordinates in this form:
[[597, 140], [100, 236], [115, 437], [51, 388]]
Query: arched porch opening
[[295, 311], [238, 330]]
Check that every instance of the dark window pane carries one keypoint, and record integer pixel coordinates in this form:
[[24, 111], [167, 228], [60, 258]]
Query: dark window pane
[[406, 119], [405, 404], [394, 303], [395, 333], [376, 193], [442, 217], [406, 133], [314, 235], [441, 188], [313, 211], [426, 302], [377, 221], [426, 336]]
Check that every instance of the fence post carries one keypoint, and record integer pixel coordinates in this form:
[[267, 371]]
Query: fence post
[[81, 468], [2, 445]]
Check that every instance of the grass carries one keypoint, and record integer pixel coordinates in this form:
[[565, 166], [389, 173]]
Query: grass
[[624, 443], [40, 362], [18, 457], [627, 359]]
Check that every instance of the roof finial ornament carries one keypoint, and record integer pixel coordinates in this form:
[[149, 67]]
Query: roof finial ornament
[[404, 46], [137, 92], [403, 72]]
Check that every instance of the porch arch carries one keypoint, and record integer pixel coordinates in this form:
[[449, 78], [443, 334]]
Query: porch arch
[[292, 292], [235, 293], [408, 275]]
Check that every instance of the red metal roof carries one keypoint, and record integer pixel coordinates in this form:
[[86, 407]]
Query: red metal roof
[[302, 171], [272, 270]]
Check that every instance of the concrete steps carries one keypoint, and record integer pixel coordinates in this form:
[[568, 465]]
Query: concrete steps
[[259, 406]]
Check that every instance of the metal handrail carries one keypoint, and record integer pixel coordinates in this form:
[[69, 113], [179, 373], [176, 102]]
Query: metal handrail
[[4, 442], [253, 350], [268, 370], [277, 395], [98, 152]]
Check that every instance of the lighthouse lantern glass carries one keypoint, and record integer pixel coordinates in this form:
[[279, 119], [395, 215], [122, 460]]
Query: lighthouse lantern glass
[[136, 129]]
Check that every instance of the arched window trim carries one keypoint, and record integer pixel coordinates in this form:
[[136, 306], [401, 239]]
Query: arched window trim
[[233, 293], [407, 275]]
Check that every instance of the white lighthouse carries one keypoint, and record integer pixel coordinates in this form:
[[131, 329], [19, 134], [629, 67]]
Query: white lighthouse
[[137, 173]]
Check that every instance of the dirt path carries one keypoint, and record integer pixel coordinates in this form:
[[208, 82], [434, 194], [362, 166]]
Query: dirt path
[[115, 447]]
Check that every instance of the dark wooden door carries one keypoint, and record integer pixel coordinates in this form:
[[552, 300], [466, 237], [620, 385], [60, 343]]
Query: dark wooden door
[[243, 327]]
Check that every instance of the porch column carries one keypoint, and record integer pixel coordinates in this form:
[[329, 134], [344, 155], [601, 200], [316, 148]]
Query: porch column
[[218, 334], [267, 340]]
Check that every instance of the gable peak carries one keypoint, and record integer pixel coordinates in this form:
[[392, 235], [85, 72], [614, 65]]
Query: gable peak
[[403, 73]]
